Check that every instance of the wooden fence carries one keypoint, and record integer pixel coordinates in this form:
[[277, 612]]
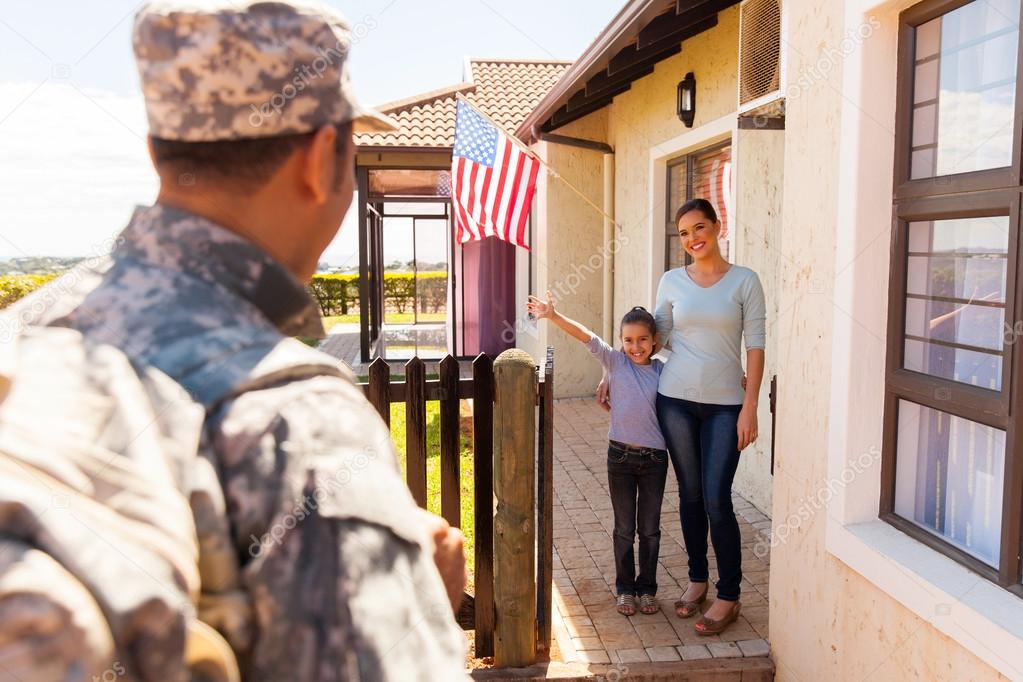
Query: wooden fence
[[481, 611]]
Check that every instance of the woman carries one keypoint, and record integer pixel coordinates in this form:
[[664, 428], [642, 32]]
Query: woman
[[706, 415]]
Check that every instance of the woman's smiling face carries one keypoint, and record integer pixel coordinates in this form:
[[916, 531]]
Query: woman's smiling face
[[698, 234]]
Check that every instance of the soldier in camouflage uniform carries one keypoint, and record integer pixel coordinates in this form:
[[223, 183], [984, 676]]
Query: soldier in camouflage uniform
[[315, 563]]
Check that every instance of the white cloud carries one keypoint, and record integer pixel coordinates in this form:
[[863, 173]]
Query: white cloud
[[73, 164]]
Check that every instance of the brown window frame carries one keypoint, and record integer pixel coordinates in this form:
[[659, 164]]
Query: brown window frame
[[689, 161], [973, 194]]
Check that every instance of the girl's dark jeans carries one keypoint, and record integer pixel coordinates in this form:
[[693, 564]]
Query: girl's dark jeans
[[704, 447], [635, 477]]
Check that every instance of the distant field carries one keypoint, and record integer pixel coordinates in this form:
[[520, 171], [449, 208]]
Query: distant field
[[14, 287]]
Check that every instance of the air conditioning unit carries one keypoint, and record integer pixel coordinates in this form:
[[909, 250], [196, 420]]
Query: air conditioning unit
[[761, 57]]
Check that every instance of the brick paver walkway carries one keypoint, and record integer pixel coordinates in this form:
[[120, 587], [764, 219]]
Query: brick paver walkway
[[589, 628]]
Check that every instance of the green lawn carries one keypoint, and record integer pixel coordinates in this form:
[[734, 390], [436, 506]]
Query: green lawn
[[433, 465], [390, 318]]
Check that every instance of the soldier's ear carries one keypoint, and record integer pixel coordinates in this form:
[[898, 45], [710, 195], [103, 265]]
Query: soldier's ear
[[317, 168]]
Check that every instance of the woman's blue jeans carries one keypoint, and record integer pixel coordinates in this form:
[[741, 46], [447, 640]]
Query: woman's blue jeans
[[704, 446], [636, 482]]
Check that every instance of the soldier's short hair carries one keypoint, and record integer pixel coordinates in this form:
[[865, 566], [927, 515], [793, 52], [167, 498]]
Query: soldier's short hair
[[247, 163]]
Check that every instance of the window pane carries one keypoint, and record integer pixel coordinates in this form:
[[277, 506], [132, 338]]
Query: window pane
[[964, 89], [673, 256], [958, 364], [949, 473], [676, 193], [712, 180], [949, 322], [955, 302]]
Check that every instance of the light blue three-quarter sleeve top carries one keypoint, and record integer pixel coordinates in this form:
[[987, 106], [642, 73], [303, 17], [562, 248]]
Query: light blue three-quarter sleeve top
[[703, 328]]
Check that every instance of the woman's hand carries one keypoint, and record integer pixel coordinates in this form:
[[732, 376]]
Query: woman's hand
[[604, 393], [747, 426], [541, 309]]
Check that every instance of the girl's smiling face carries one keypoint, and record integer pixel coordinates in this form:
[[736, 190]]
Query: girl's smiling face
[[698, 234], [637, 342]]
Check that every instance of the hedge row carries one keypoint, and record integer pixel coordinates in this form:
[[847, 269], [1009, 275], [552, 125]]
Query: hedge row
[[13, 287], [337, 294]]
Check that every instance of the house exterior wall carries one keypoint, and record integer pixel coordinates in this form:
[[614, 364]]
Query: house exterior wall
[[569, 252], [812, 216], [759, 158], [642, 118], [827, 620]]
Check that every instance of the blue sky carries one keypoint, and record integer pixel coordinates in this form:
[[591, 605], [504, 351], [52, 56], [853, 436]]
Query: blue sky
[[72, 126]]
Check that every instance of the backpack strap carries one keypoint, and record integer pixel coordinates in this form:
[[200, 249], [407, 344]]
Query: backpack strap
[[221, 364]]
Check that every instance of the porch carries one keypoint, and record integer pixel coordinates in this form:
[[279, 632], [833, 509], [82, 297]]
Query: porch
[[587, 628]]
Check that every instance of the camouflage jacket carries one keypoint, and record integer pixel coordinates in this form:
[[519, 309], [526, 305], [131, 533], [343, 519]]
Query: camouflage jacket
[[313, 563]]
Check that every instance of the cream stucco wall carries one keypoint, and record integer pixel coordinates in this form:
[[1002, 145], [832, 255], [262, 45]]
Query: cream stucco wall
[[828, 621], [759, 158], [644, 117], [569, 251]]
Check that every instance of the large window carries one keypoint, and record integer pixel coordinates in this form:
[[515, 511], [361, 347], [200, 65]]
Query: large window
[[953, 450], [706, 174]]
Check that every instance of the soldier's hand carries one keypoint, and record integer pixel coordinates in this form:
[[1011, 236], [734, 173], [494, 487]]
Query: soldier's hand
[[448, 554]]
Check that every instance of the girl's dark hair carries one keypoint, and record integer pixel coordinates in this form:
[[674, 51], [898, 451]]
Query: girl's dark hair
[[640, 315], [701, 205]]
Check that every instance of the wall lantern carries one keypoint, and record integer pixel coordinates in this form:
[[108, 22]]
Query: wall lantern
[[686, 105]]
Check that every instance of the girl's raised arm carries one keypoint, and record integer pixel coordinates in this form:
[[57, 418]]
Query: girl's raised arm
[[545, 309]]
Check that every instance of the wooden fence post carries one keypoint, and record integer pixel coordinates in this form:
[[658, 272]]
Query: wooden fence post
[[483, 499], [415, 429], [545, 506], [515, 386]]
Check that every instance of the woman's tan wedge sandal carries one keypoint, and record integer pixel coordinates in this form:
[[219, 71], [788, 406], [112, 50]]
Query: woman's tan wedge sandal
[[708, 626], [687, 608]]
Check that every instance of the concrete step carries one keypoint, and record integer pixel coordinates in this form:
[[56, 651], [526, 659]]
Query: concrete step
[[756, 669]]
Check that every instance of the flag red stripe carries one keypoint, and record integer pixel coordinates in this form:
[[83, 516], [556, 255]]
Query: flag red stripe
[[466, 196], [514, 197], [488, 173], [464, 225], [499, 193], [471, 203], [527, 202]]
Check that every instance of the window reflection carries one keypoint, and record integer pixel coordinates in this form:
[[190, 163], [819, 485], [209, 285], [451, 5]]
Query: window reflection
[[964, 89]]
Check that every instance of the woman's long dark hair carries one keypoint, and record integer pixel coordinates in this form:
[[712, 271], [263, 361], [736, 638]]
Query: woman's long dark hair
[[701, 205]]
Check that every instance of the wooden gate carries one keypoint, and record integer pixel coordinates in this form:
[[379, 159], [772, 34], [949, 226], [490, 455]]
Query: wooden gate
[[449, 388]]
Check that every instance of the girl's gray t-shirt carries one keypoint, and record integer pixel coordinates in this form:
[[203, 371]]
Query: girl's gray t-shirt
[[703, 328], [633, 396]]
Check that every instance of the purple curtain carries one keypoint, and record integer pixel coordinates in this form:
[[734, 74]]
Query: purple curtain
[[488, 294]]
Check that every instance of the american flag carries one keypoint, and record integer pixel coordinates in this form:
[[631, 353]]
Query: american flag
[[492, 180]]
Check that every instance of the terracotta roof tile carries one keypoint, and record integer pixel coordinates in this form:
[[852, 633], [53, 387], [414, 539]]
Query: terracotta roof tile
[[506, 90]]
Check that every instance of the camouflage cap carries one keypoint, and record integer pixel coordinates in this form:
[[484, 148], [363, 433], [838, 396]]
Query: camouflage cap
[[227, 70]]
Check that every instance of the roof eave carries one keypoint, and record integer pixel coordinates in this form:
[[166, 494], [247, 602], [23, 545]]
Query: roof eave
[[613, 38]]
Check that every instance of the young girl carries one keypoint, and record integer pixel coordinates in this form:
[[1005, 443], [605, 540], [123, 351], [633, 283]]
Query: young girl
[[637, 461]]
